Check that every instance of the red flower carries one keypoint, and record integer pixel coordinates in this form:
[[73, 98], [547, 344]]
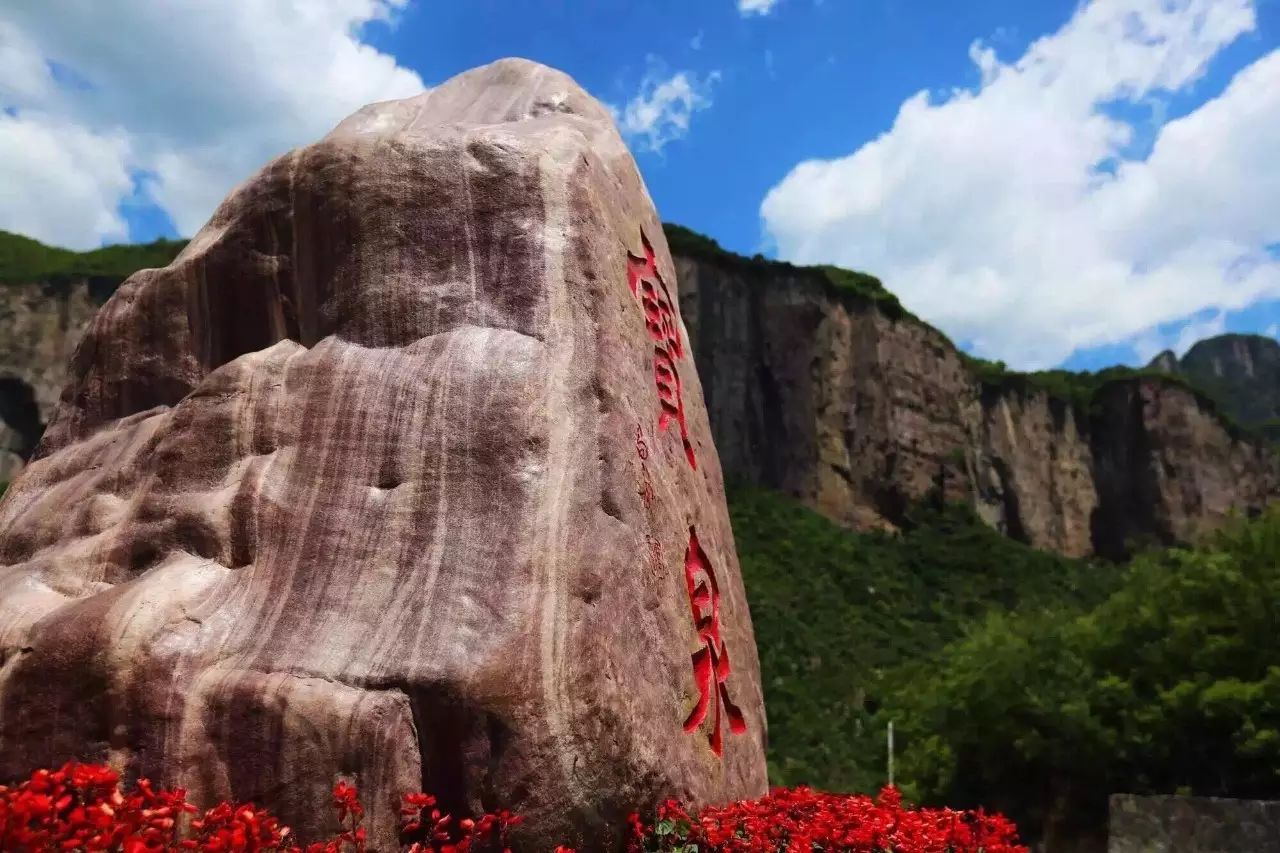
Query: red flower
[[81, 808]]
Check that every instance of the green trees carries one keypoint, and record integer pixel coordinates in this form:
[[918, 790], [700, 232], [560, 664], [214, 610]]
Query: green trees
[[1017, 680], [838, 614], [1172, 684], [26, 261]]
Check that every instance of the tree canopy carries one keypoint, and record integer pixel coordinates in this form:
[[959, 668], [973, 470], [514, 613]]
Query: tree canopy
[[1170, 685]]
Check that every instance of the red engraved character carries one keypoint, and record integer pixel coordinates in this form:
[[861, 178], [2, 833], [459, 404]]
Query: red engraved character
[[655, 551], [711, 662], [660, 319], [642, 449]]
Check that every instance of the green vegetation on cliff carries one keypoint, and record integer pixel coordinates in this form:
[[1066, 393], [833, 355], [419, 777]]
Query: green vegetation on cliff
[[863, 287], [24, 261], [1080, 389], [836, 613]]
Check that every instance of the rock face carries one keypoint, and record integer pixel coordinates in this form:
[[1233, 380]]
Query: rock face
[[40, 324], [400, 472], [858, 413]]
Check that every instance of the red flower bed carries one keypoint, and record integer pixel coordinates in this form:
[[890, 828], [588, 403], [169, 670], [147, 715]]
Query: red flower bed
[[801, 819], [81, 808]]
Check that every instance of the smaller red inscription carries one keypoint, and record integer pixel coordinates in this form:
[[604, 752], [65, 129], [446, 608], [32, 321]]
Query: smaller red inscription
[[646, 487], [711, 662], [655, 551]]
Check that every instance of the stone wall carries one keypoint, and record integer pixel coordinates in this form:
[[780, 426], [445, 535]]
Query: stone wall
[[1193, 825]]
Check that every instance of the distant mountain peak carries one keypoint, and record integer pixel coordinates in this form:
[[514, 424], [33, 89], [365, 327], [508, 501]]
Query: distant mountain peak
[[1240, 371], [1166, 361]]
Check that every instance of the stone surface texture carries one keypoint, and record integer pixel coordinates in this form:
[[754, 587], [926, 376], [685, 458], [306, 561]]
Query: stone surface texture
[[1169, 824], [822, 395], [390, 476]]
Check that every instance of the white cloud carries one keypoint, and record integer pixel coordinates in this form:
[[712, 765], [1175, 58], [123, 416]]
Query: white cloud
[[1273, 330], [26, 78], [1011, 216], [1148, 345], [196, 94], [661, 110], [61, 182], [756, 7], [1198, 330]]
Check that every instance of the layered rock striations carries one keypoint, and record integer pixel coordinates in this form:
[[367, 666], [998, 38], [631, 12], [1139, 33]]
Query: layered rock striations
[[843, 400], [400, 472]]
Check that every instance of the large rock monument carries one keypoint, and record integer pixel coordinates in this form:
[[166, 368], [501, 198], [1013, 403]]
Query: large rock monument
[[400, 473]]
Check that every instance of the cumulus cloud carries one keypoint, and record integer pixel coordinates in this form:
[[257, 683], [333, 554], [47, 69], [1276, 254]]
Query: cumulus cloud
[[747, 8], [661, 110], [1148, 345], [62, 182], [184, 99], [1015, 216]]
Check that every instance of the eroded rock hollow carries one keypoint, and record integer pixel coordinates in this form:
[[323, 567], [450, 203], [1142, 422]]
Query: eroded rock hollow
[[401, 473]]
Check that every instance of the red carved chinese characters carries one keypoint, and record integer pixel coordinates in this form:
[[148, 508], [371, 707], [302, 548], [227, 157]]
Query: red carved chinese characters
[[711, 662], [711, 666], [660, 319]]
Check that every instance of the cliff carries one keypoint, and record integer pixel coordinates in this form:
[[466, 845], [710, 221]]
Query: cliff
[[819, 384], [836, 395], [47, 297], [40, 324]]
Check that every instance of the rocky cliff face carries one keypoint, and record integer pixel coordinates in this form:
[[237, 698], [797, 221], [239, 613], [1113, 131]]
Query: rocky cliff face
[[40, 324], [859, 411]]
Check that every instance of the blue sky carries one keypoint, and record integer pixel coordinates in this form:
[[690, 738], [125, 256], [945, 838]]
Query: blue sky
[[1049, 182], [811, 79]]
